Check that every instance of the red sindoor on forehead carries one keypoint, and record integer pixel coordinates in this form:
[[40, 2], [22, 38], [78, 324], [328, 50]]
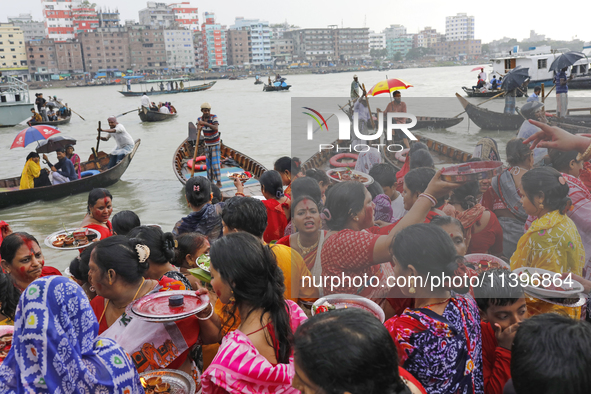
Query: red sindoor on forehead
[[28, 243]]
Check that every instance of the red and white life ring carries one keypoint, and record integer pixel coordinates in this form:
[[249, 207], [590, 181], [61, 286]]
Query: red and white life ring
[[334, 161], [401, 156], [198, 167]]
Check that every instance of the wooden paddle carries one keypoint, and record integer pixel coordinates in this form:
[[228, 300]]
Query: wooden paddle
[[125, 113], [478, 105], [196, 146], [95, 151], [77, 114], [373, 126]]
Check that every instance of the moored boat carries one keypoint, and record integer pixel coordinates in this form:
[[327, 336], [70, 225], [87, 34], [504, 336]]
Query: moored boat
[[271, 88], [15, 103], [153, 116], [152, 92], [490, 120], [58, 122], [430, 122], [11, 195], [238, 162], [477, 93]]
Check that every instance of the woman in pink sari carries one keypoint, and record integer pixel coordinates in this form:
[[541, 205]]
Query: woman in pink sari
[[74, 158], [258, 356]]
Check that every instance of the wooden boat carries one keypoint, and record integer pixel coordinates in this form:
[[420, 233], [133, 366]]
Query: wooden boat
[[11, 195], [475, 93], [185, 152], [258, 82], [153, 116], [271, 88], [442, 154], [51, 122], [186, 89], [490, 120], [582, 82], [430, 122]]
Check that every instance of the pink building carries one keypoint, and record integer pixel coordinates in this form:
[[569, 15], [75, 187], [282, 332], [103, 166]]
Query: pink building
[[84, 19]]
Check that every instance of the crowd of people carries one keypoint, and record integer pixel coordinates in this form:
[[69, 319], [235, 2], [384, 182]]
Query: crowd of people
[[257, 335], [48, 111]]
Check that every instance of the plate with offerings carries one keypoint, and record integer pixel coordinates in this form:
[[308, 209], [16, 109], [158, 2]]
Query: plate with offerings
[[167, 306], [167, 381], [72, 238], [473, 171], [6, 335], [347, 174], [344, 301], [483, 262], [557, 289], [241, 176], [201, 272]]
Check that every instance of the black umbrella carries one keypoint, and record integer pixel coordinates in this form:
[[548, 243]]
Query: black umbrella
[[515, 78], [54, 143], [565, 60]]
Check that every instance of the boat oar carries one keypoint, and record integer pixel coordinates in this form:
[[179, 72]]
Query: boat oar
[[373, 126], [478, 105], [125, 113], [550, 91], [196, 149], [76, 113], [95, 151], [340, 108]]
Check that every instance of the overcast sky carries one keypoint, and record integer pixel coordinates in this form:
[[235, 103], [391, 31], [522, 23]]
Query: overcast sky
[[492, 20]]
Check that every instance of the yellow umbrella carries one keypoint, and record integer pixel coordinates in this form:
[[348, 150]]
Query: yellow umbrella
[[388, 86]]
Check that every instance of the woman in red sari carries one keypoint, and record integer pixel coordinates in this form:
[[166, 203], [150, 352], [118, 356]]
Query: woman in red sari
[[99, 210], [278, 205], [74, 158], [116, 270]]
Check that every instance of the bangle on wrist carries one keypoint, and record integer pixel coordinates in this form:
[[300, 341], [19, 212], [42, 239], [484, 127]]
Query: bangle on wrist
[[208, 316], [430, 198], [586, 155], [239, 194]]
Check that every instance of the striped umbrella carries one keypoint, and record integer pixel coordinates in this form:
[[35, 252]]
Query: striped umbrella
[[388, 86], [32, 134]]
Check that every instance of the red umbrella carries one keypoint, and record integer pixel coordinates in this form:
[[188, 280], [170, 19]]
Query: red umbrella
[[477, 68], [32, 134]]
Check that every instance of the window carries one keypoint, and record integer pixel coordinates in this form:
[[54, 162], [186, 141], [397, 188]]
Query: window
[[542, 63]]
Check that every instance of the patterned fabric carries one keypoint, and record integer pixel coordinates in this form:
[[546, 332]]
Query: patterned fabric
[[212, 161], [383, 209], [238, 367], [75, 159], [177, 276], [554, 244], [207, 221], [210, 136], [469, 218], [367, 159], [443, 352], [487, 149], [56, 349], [585, 175]]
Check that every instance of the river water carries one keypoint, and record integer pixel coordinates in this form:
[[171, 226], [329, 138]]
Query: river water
[[254, 122]]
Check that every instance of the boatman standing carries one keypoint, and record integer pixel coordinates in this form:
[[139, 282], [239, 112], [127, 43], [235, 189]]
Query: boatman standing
[[482, 74], [122, 138], [208, 123], [398, 106], [145, 101], [354, 88], [560, 81]]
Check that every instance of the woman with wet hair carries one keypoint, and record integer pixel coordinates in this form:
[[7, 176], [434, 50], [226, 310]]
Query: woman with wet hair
[[278, 205], [98, 211]]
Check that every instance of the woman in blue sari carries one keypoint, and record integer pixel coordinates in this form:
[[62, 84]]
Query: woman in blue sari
[[56, 348]]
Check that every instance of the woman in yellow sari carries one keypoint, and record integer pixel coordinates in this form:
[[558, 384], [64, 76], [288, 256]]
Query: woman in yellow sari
[[31, 171], [552, 242]]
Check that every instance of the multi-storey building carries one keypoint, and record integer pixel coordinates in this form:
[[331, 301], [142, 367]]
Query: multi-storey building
[[69, 57], [238, 47], [106, 49], [185, 16], [30, 28], [394, 31], [377, 40], [58, 19], [13, 56], [41, 58], [198, 46], [459, 27], [148, 50], [84, 18], [157, 15], [260, 40], [401, 44], [459, 50], [282, 51], [108, 18], [324, 46], [214, 42], [180, 53], [352, 44], [426, 38]]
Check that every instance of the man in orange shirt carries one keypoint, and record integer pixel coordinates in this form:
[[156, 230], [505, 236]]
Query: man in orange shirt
[[398, 106]]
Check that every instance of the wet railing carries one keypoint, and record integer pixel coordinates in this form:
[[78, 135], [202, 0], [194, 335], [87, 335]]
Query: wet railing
[[13, 90]]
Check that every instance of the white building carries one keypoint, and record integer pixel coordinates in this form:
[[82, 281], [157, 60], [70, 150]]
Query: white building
[[459, 27], [185, 15], [156, 15], [377, 40], [30, 28], [59, 23], [180, 51], [260, 38], [394, 31]]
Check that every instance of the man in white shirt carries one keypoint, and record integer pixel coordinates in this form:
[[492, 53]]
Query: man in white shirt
[[122, 138], [146, 101], [163, 109], [482, 75]]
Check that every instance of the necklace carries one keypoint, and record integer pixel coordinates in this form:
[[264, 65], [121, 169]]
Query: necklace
[[134, 297], [437, 303], [308, 249]]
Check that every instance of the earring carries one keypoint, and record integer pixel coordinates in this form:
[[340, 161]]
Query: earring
[[92, 289], [412, 290], [541, 206], [232, 299], [356, 218]]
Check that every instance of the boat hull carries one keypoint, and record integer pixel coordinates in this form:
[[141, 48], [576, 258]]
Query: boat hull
[[474, 93], [11, 114], [427, 122], [268, 88], [489, 120], [174, 91], [52, 122], [153, 116], [46, 193], [580, 83]]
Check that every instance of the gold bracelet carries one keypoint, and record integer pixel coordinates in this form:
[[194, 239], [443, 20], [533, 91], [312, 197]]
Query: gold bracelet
[[586, 155]]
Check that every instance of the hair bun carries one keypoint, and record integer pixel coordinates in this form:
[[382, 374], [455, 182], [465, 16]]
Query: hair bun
[[565, 205]]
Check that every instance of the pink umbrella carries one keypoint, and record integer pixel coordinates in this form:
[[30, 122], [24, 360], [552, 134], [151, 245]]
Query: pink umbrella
[[32, 134], [477, 68]]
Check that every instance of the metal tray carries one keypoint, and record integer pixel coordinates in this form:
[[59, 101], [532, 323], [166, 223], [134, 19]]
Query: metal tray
[[335, 170], [154, 307], [51, 238], [180, 382], [473, 171], [341, 301]]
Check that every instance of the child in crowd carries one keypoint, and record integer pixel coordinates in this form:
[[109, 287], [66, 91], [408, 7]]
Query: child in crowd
[[456, 231], [123, 222], [385, 175], [502, 308], [289, 169]]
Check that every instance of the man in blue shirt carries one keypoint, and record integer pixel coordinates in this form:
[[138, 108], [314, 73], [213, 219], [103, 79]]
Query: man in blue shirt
[[536, 95], [494, 83], [63, 171], [560, 81]]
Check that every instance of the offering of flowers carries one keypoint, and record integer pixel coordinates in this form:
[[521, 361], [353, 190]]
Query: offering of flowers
[[348, 175], [241, 176], [204, 262], [325, 307]]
